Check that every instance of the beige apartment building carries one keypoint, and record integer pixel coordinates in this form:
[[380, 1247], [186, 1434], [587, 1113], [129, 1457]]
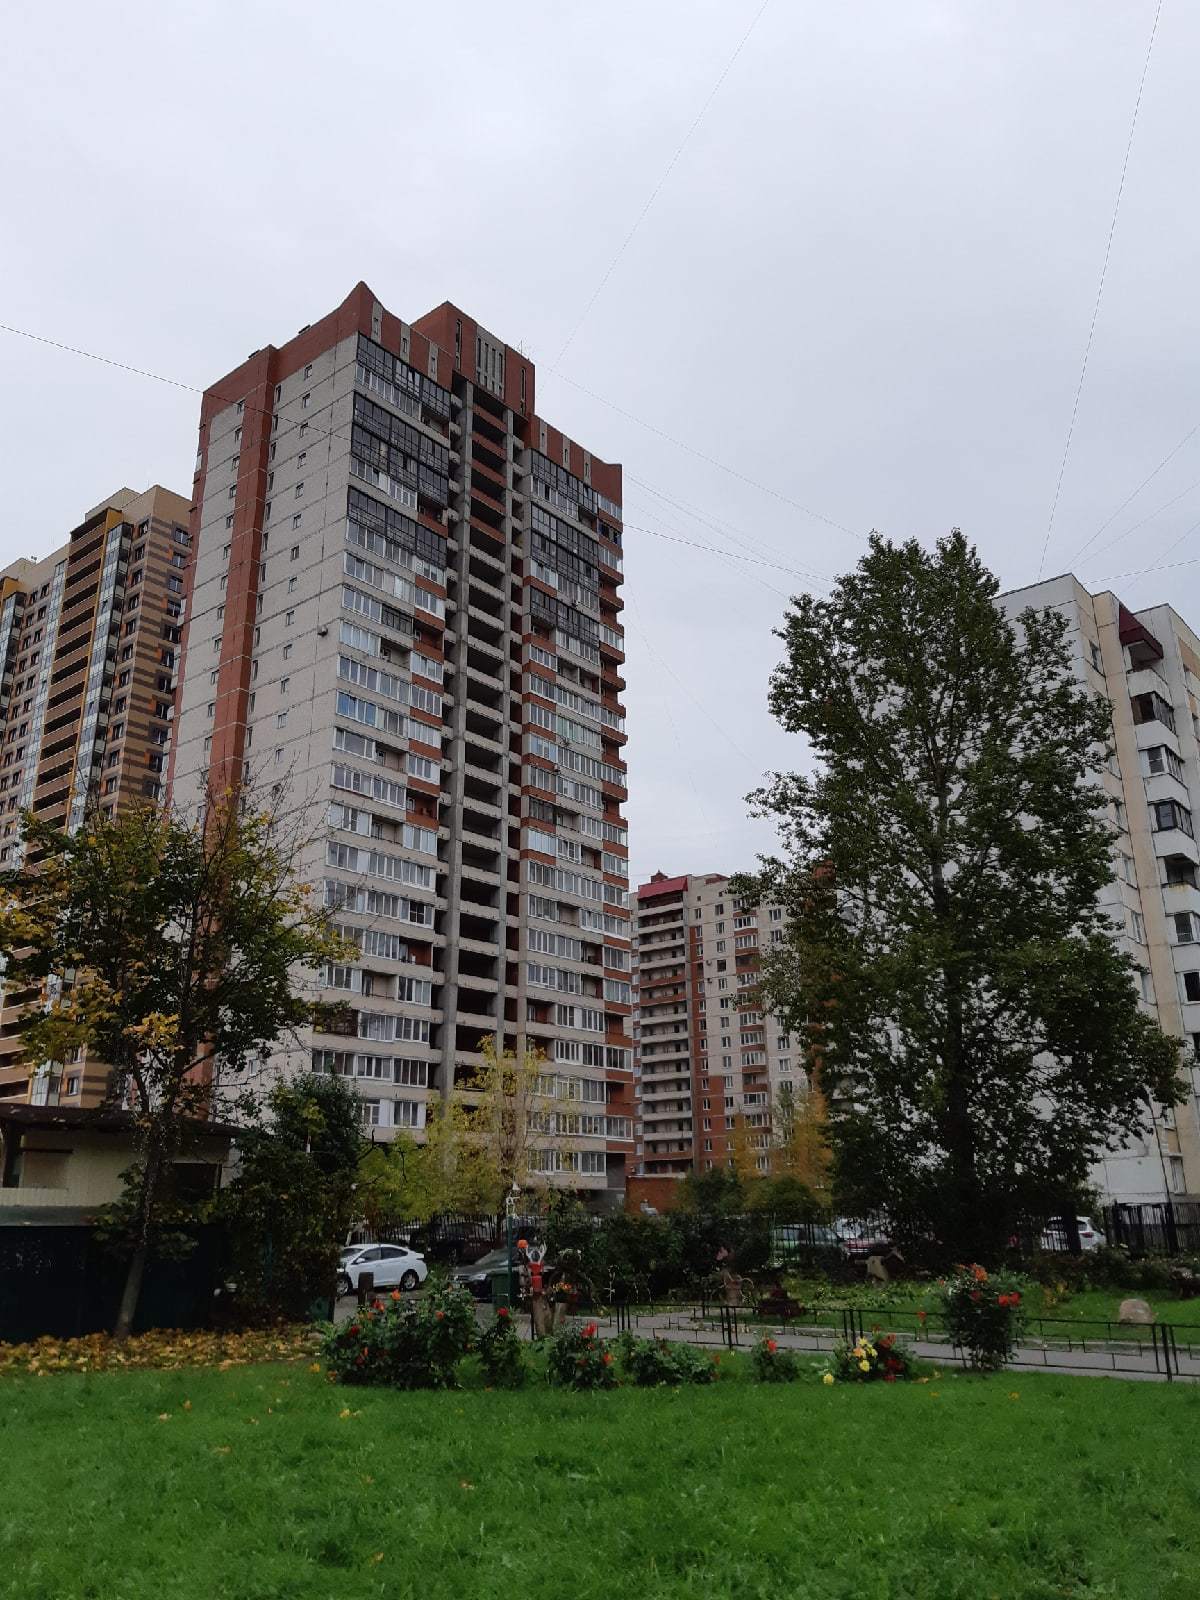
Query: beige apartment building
[[89, 642], [404, 621], [1147, 664], [709, 1065]]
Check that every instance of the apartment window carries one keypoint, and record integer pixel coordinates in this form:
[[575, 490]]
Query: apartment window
[[229, 520], [1152, 707], [1185, 928], [299, 490], [220, 613], [295, 552], [278, 755], [1191, 985], [303, 429], [232, 491], [288, 618], [241, 406], [304, 399], [1097, 659], [281, 719], [1128, 871], [1181, 870], [1119, 814], [1137, 926], [1160, 758], [212, 706], [1166, 814], [308, 369], [287, 650], [214, 675], [302, 458], [296, 522], [292, 584]]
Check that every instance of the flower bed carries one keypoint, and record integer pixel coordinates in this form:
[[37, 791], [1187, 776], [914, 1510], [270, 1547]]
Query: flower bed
[[869, 1361]]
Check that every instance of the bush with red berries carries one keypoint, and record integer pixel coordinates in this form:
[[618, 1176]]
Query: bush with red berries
[[984, 1314], [577, 1359], [405, 1344]]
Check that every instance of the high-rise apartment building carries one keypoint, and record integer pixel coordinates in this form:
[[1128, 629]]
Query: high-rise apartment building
[[1147, 664], [404, 620], [709, 1065], [89, 638]]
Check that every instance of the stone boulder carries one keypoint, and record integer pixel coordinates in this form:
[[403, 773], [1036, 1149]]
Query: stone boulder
[[1135, 1311]]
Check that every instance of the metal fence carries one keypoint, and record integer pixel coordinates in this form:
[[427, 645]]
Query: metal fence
[[1168, 1228], [1053, 1344], [60, 1281]]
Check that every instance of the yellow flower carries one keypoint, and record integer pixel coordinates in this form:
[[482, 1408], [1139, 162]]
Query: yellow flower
[[858, 1352], [343, 1413], [314, 1366], [864, 1366], [828, 1378]]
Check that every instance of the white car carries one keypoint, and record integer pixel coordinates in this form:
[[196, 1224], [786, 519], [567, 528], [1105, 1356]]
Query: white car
[[393, 1266], [1090, 1237]]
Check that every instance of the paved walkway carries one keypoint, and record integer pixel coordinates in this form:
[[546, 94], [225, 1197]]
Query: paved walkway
[[1134, 1357]]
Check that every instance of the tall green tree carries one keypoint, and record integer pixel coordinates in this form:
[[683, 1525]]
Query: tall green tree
[[186, 945], [294, 1197], [972, 1022]]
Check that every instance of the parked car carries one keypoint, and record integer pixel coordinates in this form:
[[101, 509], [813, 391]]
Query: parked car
[[393, 1267], [1090, 1237], [859, 1241], [479, 1275]]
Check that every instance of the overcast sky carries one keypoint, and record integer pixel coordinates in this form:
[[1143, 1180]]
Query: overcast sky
[[866, 285]]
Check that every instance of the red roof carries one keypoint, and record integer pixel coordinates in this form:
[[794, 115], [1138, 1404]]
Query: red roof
[[660, 885]]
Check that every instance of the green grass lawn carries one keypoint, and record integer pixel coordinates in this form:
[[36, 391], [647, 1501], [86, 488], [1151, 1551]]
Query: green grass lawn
[[1021, 1487]]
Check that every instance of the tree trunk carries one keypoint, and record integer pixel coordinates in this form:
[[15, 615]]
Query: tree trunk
[[131, 1293]]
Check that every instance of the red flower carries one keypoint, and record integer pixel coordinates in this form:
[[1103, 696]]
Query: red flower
[[440, 1315], [590, 1331], [502, 1311], [921, 1315], [1014, 1298], [376, 1305], [890, 1377], [892, 1364], [353, 1329], [395, 1294], [607, 1359], [772, 1346]]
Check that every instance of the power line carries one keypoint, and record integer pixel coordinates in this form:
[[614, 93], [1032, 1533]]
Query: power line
[[1129, 498], [336, 433], [654, 193], [1087, 349], [702, 455], [747, 542], [1149, 517]]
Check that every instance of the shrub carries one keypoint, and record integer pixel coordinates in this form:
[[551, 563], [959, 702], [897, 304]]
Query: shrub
[[501, 1353], [414, 1345], [577, 1359], [654, 1361], [984, 1314], [773, 1365], [869, 1361]]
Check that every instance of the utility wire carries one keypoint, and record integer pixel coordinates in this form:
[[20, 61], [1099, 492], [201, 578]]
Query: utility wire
[[1087, 349], [314, 429], [1149, 517], [1129, 498], [654, 193], [702, 455], [756, 548]]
